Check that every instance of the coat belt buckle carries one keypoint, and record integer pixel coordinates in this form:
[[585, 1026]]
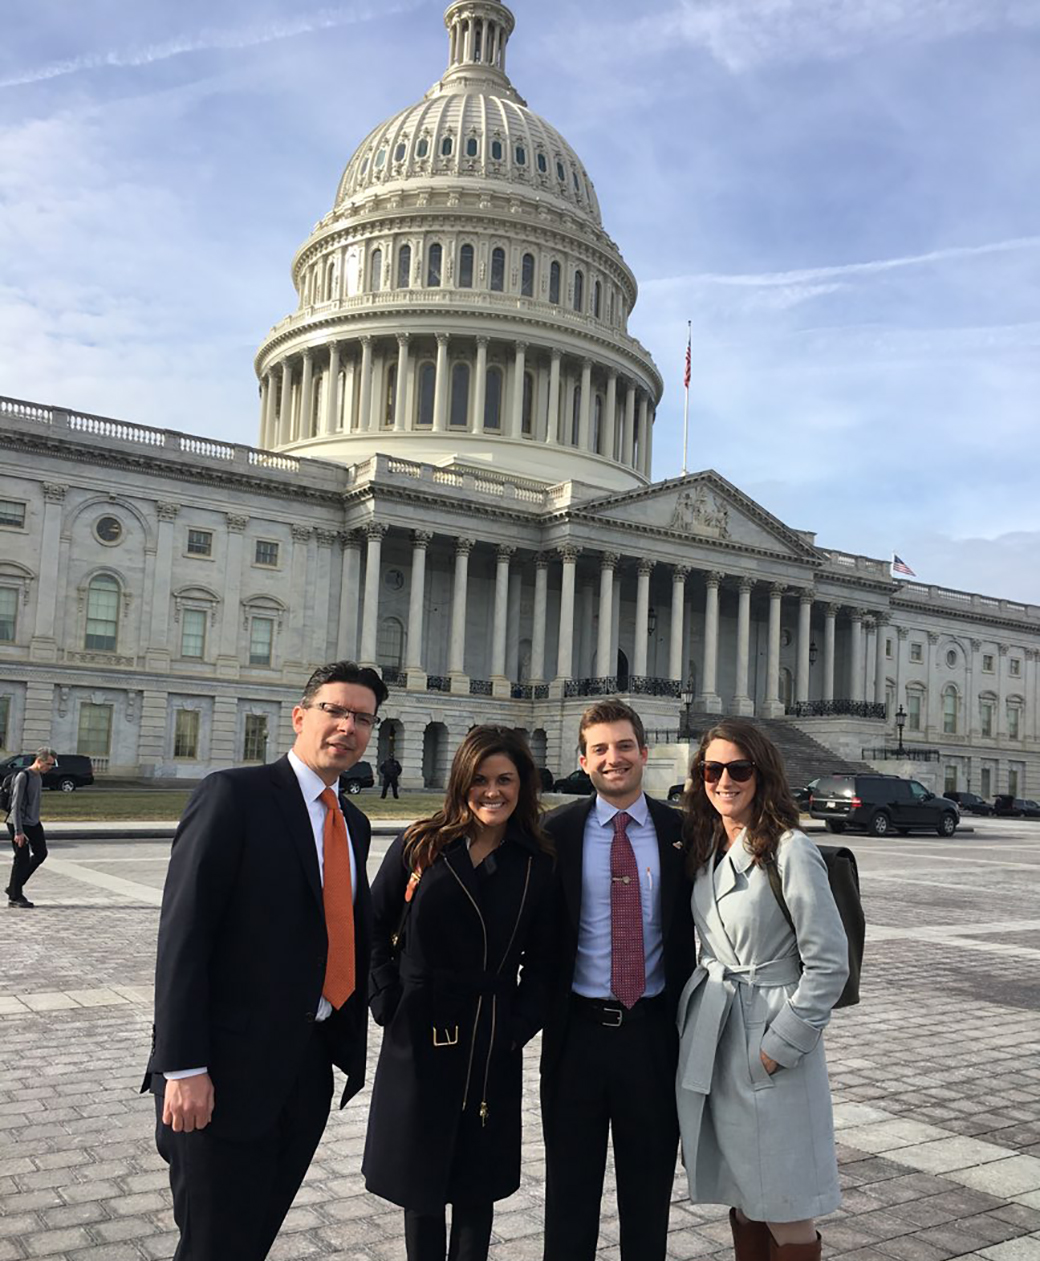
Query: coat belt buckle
[[619, 1016], [446, 1037]]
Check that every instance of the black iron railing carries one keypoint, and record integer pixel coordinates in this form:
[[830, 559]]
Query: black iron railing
[[836, 709], [606, 686], [438, 683], [900, 755], [393, 677], [480, 687], [646, 685]]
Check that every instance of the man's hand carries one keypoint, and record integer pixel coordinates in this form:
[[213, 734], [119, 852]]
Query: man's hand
[[188, 1103], [769, 1065], [19, 839]]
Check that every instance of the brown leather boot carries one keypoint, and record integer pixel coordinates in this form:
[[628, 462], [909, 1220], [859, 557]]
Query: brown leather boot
[[794, 1251], [751, 1240]]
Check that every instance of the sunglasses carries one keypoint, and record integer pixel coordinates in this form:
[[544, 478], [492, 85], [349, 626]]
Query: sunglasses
[[740, 772]]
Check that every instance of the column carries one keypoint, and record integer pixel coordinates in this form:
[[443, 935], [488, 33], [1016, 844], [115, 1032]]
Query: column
[[934, 722], [228, 663], [901, 635], [285, 408], [306, 394], [323, 643], [415, 673], [401, 390], [645, 436], [349, 596], [516, 429], [642, 629], [330, 422], [831, 612], [628, 447], [457, 646], [44, 645], [610, 419], [552, 421], [869, 651], [801, 683], [856, 670], [569, 556], [743, 705], [585, 411], [541, 609], [709, 700], [608, 563], [476, 421], [365, 422], [773, 707], [499, 683], [374, 533], [157, 656], [265, 407], [440, 389], [675, 663], [513, 607], [879, 670]]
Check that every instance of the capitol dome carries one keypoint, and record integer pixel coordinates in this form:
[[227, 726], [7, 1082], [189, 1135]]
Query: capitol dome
[[461, 304]]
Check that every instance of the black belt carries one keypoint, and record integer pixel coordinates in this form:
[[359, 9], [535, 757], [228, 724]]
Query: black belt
[[612, 1014]]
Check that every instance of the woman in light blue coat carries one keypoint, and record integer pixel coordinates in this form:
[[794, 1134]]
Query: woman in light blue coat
[[753, 1096]]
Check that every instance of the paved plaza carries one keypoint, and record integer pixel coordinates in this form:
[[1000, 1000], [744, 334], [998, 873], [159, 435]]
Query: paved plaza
[[936, 1074]]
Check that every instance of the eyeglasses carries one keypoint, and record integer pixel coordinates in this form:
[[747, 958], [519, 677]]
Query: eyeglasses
[[740, 772], [339, 713]]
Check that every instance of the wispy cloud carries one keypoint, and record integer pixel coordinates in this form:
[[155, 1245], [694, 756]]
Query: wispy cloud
[[213, 40]]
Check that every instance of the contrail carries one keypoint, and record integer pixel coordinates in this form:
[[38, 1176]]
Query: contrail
[[206, 40]]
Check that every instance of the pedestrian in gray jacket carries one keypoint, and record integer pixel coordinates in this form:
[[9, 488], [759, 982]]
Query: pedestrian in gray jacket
[[753, 1096], [23, 825]]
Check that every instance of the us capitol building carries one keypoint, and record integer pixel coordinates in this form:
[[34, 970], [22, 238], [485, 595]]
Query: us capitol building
[[452, 482]]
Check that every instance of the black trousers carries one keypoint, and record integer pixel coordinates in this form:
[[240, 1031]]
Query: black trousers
[[622, 1081], [27, 857], [230, 1198], [390, 783], [425, 1234]]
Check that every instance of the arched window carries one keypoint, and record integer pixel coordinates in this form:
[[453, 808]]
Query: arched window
[[447, 146], [375, 271], [579, 291], [597, 425], [102, 614], [498, 270], [521, 155], [493, 399], [460, 395], [554, 283], [433, 266], [949, 700], [390, 644], [404, 266], [610, 308], [391, 395], [527, 421], [496, 150], [466, 267], [422, 148], [399, 153], [427, 389], [597, 299], [527, 276], [472, 147], [330, 277], [576, 416]]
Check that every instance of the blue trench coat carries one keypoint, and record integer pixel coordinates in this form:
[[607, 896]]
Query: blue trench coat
[[762, 1143]]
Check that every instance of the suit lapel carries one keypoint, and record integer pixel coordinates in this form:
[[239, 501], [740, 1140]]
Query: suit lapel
[[571, 859], [297, 821], [668, 831]]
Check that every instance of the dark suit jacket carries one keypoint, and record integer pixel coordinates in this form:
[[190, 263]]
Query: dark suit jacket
[[242, 947], [566, 826]]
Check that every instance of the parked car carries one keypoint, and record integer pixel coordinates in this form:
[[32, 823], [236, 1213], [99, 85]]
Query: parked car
[[881, 804], [971, 803], [577, 783], [1015, 807], [675, 793], [71, 771], [359, 776], [545, 779], [1031, 808], [803, 796]]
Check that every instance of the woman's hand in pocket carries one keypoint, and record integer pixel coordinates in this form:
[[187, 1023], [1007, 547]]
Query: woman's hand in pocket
[[769, 1065]]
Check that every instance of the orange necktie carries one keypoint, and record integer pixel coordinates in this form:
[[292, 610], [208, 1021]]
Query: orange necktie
[[338, 897]]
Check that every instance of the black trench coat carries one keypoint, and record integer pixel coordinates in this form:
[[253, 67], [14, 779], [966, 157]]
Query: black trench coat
[[444, 1126]]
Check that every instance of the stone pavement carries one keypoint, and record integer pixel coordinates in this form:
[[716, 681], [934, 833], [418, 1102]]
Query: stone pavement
[[936, 1075]]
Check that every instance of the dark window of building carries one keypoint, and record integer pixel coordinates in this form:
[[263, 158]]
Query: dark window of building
[[472, 147], [422, 148], [527, 276], [200, 543], [498, 270], [404, 266], [266, 553], [427, 389], [579, 291], [447, 146], [460, 395], [496, 150], [554, 283], [521, 155], [433, 266], [376, 271], [466, 267], [527, 420], [493, 399]]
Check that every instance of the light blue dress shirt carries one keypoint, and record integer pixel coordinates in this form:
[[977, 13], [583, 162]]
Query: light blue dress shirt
[[592, 964]]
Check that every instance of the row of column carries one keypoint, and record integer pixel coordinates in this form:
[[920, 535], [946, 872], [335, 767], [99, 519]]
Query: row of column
[[348, 403]]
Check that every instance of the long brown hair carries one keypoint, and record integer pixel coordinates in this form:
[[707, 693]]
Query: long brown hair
[[773, 811], [425, 838]]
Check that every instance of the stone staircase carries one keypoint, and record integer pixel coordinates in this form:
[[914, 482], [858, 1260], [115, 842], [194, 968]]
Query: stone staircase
[[804, 757]]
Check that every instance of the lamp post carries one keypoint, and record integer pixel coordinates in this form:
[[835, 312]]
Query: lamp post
[[900, 724], [813, 653]]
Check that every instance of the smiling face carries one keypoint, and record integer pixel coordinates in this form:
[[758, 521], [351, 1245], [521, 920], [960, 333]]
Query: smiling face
[[733, 800], [614, 761], [493, 795], [331, 745]]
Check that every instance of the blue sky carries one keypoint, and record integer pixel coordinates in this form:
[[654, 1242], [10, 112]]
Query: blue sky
[[842, 195]]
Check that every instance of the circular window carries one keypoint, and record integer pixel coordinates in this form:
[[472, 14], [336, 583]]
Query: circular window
[[109, 529], [951, 658], [394, 580]]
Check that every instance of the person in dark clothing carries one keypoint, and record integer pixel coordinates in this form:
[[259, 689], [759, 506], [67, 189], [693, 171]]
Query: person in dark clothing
[[391, 773], [24, 826], [461, 963]]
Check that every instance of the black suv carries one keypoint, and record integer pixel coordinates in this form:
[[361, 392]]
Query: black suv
[[71, 771], [881, 804], [359, 776], [971, 803]]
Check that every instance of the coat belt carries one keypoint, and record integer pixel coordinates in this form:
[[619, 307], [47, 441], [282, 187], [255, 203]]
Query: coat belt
[[718, 984]]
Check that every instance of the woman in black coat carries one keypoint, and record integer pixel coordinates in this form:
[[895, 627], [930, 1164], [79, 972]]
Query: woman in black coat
[[461, 954]]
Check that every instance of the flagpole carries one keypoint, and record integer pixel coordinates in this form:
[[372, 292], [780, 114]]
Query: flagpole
[[686, 410]]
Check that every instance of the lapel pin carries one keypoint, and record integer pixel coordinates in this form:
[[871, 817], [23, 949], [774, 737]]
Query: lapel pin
[[676, 844]]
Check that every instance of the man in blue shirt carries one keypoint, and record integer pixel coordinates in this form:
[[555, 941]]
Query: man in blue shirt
[[610, 1045]]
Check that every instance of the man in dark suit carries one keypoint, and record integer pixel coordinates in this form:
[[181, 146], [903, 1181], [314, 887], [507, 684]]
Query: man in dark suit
[[610, 1046], [261, 974]]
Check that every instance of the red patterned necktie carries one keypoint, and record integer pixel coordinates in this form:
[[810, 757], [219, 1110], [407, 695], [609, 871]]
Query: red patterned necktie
[[627, 960]]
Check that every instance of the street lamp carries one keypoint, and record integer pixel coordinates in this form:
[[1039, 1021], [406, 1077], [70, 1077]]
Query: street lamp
[[651, 620], [813, 654], [900, 724]]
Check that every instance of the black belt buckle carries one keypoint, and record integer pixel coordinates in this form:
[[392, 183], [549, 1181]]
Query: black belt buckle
[[618, 1012]]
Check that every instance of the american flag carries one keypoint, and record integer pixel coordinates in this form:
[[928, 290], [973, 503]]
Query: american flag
[[899, 566], [686, 376]]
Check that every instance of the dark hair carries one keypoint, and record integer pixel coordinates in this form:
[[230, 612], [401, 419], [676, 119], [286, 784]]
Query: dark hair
[[425, 839], [345, 672], [611, 710], [773, 811]]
